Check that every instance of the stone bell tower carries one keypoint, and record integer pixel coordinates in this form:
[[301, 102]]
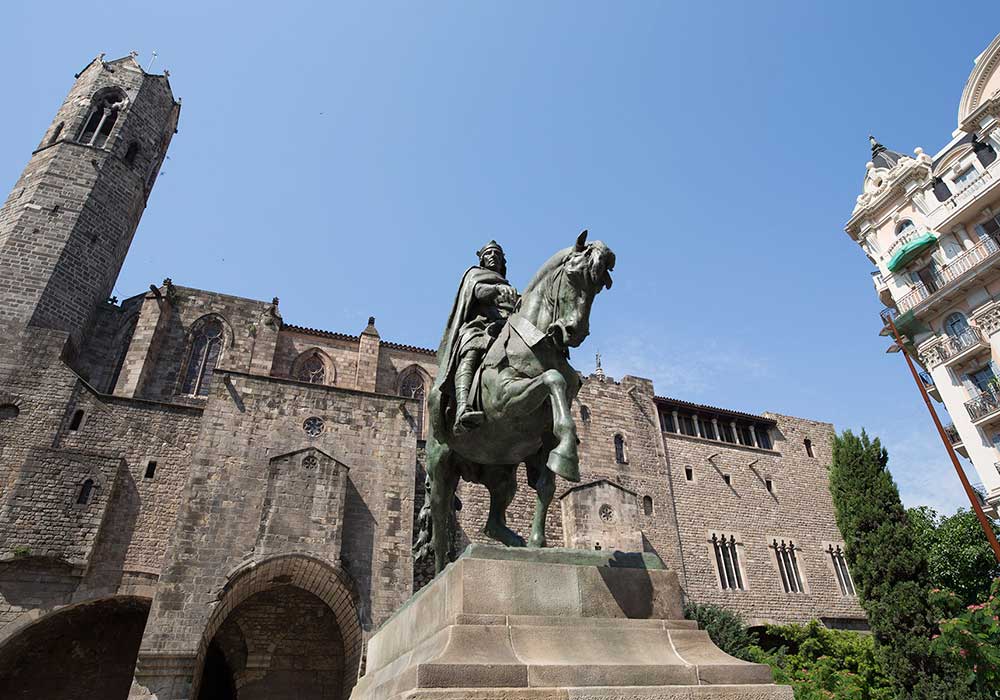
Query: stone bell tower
[[68, 223]]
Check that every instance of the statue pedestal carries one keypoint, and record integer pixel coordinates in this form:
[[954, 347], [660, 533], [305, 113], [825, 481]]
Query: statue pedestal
[[547, 624]]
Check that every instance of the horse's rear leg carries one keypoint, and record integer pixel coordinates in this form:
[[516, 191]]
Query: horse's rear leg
[[544, 483], [443, 478], [501, 482]]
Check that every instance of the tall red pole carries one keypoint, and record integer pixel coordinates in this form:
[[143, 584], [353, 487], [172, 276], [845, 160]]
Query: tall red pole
[[973, 498]]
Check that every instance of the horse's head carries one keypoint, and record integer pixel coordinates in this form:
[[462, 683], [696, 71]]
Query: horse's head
[[585, 271]]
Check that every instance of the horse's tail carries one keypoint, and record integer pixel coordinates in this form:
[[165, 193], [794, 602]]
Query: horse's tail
[[423, 546]]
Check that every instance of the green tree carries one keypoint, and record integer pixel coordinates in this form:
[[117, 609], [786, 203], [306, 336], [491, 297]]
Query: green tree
[[889, 569], [959, 557], [725, 628]]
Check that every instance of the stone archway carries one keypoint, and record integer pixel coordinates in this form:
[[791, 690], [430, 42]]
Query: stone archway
[[285, 627], [86, 650]]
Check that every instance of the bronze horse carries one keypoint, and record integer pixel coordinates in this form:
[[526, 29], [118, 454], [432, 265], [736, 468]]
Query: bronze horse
[[527, 386]]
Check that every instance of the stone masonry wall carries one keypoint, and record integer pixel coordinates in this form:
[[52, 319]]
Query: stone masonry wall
[[800, 508], [248, 421]]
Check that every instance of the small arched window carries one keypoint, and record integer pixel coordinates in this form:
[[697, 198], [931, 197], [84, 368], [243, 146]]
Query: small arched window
[[102, 117], [807, 443], [57, 133], [86, 492], [412, 387], [312, 369], [584, 413], [905, 227], [647, 505], [621, 449], [206, 347], [131, 154], [956, 324]]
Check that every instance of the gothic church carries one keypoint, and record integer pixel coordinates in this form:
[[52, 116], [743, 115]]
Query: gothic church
[[200, 499]]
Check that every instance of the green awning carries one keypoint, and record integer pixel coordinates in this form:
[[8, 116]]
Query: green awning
[[911, 250]]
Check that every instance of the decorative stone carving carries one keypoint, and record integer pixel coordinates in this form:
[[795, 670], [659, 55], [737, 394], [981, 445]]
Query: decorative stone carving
[[988, 320]]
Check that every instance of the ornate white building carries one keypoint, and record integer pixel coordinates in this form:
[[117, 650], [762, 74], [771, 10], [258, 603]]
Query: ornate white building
[[931, 226]]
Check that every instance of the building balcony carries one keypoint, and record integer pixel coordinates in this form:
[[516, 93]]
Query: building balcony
[[984, 408], [969, 191], [952, 275], [882, 288], [929, 385], [956, 440], [956, 349]]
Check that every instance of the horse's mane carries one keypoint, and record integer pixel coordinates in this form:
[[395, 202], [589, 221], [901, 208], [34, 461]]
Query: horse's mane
[[547, 268]]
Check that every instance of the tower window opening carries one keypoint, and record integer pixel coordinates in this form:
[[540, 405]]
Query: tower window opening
[[769, 485], [86, 492], [844, 579], [688, 474], [77, 420], [131, 153], [101, 120], [809, 447], [621, 453], [150, 469], [728, 479], [647, 505]]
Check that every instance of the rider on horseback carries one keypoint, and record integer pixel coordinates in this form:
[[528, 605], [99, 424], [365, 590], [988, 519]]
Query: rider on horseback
[[485, 299]]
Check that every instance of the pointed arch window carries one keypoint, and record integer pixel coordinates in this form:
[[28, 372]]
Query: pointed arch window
[[412, 387], [86, 492], [621, 449], [312, 369], [206, 347], [102, 117]]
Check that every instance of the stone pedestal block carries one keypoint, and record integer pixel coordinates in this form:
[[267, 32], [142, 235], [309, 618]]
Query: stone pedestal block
[[568, 624]]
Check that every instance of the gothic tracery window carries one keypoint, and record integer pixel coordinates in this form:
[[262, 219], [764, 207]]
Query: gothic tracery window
[[312, 370], [206, 347], [412, 387], [101, 120]]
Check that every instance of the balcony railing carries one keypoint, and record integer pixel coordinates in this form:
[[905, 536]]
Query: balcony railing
[[986, 249], [952, 434], [956, 345], [903, 239], [986, 404], [968, 190]]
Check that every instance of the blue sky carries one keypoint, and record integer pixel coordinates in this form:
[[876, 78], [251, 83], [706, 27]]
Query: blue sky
[[351, 158]]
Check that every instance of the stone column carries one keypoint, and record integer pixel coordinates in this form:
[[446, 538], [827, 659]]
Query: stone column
[[715, 427], [677, 421], [736, 433], [694, 421]]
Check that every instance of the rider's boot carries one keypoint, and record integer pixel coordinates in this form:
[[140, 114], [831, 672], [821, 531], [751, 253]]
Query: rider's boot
[[465, 418]]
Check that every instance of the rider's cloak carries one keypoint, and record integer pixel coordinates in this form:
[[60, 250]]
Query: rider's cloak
[[466, 309]]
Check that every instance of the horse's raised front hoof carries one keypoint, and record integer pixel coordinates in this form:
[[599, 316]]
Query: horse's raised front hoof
[[537, 541], [566, 467], [504, 535]]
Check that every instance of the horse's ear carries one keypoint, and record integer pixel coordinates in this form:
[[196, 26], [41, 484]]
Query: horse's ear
[[581, 240]]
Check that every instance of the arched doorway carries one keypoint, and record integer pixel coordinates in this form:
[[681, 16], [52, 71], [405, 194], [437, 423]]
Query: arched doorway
[[86, 650], [286, 628], [279, 644]]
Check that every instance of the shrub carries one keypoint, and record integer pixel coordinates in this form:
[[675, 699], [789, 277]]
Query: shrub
[[820, 663], [725, 628], [972, 639]]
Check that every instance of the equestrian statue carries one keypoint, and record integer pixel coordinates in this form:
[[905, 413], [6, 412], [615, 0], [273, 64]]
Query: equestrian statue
[[504, 388]]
